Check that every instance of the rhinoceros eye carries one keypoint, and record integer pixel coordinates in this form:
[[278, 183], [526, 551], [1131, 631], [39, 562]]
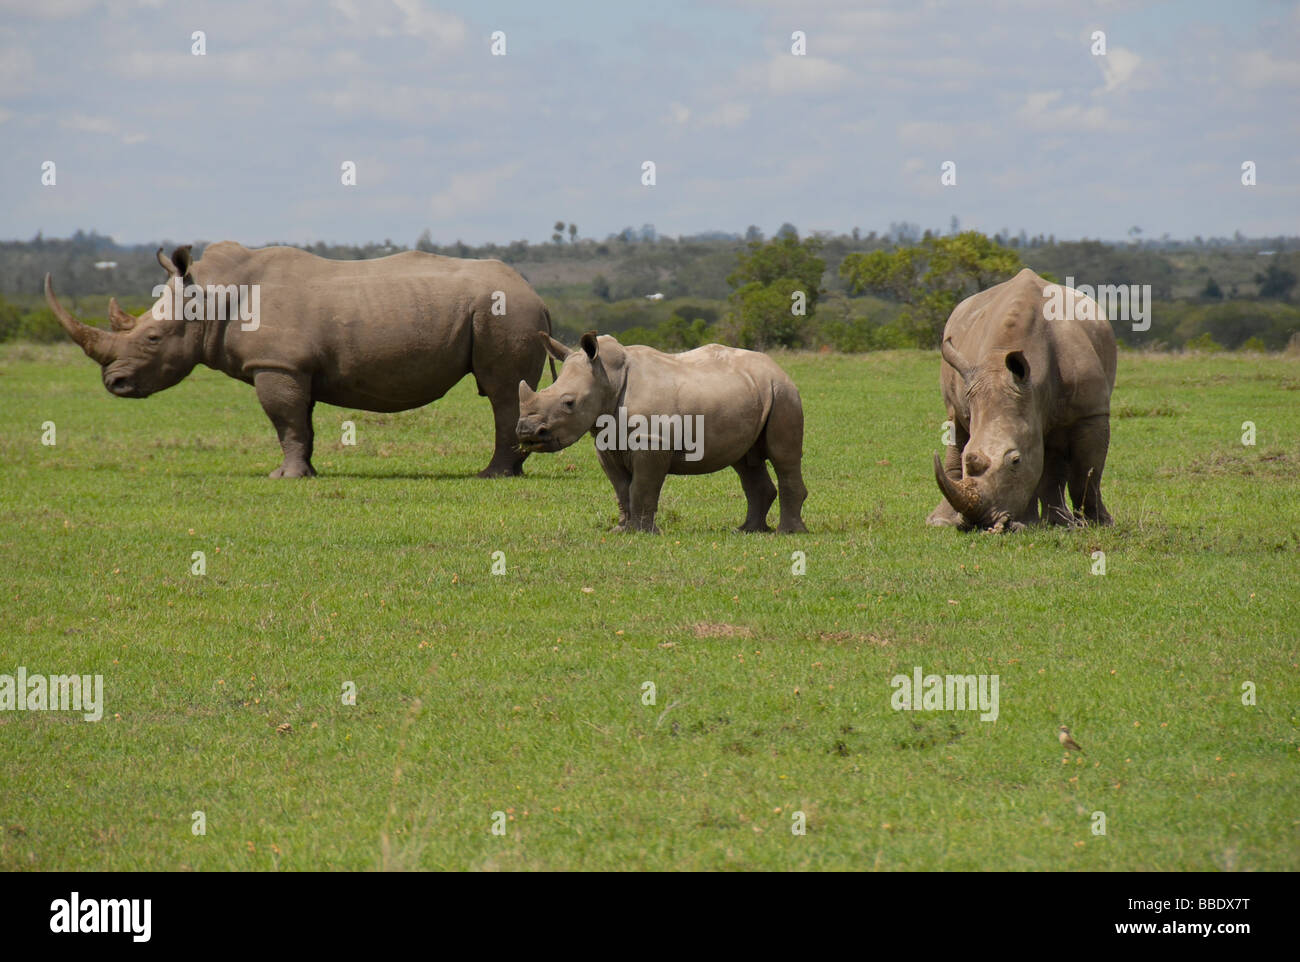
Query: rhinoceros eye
[[154, 338]]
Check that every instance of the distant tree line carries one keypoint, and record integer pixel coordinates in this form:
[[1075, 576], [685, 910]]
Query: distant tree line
[[849, 292]]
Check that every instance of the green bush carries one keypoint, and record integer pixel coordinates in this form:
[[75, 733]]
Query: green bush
[[1203, 342]]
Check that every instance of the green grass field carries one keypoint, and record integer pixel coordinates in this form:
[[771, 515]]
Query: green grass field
[[522, 693]]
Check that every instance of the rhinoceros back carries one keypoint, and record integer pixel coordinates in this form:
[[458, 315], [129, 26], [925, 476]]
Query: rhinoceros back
[[386, 334]]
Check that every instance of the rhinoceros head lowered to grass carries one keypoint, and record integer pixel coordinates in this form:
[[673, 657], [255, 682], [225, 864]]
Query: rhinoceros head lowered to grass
[[588, 386], [1003, 458], [145, 354], [1028, 398]]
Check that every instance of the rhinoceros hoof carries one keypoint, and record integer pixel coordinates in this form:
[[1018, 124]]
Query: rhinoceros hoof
[[514, 471], [761, 527], [943, 517], [634, 529], [796, 527], [294, 471]]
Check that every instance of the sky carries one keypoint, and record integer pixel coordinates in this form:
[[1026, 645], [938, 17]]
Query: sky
[[246, 142]]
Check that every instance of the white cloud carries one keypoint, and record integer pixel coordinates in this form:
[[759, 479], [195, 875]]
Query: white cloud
[[348, 8], [730, 114], [928, 133], [1259, 68], [418, 20], [1117, 67], [477, 189], [1040, 111], [17, 70], [787, 74], [46, 9], [100, 125], [414, 105]]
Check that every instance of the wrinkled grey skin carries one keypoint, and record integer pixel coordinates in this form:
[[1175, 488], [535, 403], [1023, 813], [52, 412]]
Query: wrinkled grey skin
[[752, 414], [1029, 399], [389, 334]]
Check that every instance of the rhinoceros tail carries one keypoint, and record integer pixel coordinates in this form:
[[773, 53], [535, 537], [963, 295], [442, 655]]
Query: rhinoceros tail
[[547, 314]]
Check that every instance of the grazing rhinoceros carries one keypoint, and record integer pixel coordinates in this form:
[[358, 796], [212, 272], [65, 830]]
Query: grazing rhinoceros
[[656, 414], [1029, 399], [389, 334]]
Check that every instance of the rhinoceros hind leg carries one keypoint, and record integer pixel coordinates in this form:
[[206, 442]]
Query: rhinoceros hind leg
[[503, 353], [760, 492], [507, 460], [286, 399], [782, 442]]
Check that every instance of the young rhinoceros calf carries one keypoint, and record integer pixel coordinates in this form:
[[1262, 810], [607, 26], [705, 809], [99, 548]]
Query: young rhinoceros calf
[[1027, 387], [655, 414]]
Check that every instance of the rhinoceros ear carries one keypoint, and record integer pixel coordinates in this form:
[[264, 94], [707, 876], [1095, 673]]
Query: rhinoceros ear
[[589, 345], [1018, 366], [182, 259], [178, 265]]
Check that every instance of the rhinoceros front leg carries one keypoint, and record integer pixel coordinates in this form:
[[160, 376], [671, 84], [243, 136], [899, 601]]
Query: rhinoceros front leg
[[1052, 486], [648, 473], [286, 399], [1089, 442], [621, 479]]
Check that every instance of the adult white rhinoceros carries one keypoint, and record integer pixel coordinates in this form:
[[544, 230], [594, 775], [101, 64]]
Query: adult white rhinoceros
[[1029, 397], [388, 334]]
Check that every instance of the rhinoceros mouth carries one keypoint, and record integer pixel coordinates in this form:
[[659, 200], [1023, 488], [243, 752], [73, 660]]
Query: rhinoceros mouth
[[1001, 523], [533, 446], [969, 501], [124, 388]]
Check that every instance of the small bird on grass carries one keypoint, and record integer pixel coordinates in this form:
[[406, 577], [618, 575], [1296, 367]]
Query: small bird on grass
[[1068, 743]]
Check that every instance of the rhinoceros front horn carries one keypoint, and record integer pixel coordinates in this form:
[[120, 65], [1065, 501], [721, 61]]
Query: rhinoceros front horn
[[960, 494], [97, 344]]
